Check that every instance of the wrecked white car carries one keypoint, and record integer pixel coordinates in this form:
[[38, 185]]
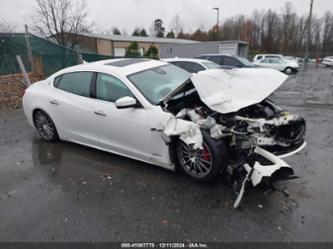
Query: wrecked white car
[[211, 122]]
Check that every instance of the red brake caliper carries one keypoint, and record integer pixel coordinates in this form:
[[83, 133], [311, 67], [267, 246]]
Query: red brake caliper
[[205, 154]]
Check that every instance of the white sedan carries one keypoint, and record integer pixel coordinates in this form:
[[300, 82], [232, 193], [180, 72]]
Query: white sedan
[[286, 66], [192, 65], [206, 123], [328, 61]]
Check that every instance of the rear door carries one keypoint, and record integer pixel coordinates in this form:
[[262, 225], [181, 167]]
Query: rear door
[[72, 108]]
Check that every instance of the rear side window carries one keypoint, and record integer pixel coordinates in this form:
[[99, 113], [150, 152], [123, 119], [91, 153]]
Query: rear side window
[[110, 88], [259, 57], [77, 83]]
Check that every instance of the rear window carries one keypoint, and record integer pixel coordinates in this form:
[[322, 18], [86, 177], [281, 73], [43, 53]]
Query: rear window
[[77, 83], [192, 67], [126, 62]]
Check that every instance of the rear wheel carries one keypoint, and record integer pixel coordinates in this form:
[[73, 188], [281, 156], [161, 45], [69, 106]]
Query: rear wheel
[[205, 164], [45, 126]]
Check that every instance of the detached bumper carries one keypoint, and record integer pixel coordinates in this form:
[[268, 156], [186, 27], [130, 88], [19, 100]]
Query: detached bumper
[[289, 137], [265, 165]]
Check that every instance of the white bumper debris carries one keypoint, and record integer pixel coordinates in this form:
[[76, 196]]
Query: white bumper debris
[[188, 131], [260, 171]]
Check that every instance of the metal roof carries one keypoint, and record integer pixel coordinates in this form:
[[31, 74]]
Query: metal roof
[[148, 39]]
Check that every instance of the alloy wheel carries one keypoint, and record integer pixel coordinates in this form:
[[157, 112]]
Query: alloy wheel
[[44, 125], [197, 163]]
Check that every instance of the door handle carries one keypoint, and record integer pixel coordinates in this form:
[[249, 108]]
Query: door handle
[[54, 102], [100, 113]]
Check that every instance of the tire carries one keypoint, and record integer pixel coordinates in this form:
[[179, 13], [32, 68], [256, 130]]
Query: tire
[[288, 70], [45, 126], [202, 165]]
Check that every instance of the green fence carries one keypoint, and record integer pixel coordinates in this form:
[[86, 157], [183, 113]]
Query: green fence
[[48, 57]]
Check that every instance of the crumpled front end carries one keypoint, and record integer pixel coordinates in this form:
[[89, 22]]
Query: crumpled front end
[[232, 106], [248, 141]]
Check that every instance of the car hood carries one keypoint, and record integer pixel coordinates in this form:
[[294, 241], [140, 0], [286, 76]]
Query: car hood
[[227, 91]]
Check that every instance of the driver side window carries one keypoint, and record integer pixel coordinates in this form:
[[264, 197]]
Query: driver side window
[[109, 88]]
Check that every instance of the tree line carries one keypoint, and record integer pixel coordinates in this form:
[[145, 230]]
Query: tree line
[[266, 31], [274, 32]]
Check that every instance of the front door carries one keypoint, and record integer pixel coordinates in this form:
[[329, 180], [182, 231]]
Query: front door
[[127, 131]]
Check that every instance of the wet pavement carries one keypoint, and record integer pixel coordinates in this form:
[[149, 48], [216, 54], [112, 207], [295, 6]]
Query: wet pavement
[[66, 192]]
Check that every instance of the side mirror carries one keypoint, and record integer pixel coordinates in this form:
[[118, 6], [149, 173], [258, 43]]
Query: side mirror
[[126, 102]]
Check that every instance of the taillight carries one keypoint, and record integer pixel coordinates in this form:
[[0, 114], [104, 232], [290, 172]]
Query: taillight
[[23, 92]]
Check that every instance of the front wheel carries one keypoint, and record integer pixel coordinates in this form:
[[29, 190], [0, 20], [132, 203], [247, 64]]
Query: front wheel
[[288, 70], [205, 164], [45, 126]]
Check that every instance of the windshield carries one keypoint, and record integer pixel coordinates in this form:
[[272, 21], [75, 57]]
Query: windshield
[[211, 65], [158, 82], [245, 61]]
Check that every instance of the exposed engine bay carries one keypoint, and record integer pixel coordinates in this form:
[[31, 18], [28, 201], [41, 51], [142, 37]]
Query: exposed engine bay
[[254, 135]]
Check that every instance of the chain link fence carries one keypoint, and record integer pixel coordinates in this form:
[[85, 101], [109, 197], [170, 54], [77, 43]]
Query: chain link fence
[[47, 57]]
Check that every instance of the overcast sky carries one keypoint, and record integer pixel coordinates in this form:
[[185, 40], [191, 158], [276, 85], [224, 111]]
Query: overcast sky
[[128, 14]]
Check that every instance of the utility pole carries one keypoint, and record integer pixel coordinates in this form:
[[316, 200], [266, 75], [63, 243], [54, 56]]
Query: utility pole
[[218, 16], [29, 50], [307, 45]]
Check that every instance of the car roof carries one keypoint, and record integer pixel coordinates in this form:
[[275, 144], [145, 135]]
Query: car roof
[[268, 55], [124, 66], [217, 54], [185, 59]]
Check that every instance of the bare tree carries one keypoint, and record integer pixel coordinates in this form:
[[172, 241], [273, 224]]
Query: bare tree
[[176, 25], [288, 20], [327, 32], [63, 20], [6, 26]]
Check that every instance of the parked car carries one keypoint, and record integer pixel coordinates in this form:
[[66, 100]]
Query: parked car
[[158, 113], [259, 57], [227, 61], [328, 61], [193, 65], [282, 65]]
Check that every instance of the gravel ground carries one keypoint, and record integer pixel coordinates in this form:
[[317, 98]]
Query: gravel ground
[[66, 192]]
